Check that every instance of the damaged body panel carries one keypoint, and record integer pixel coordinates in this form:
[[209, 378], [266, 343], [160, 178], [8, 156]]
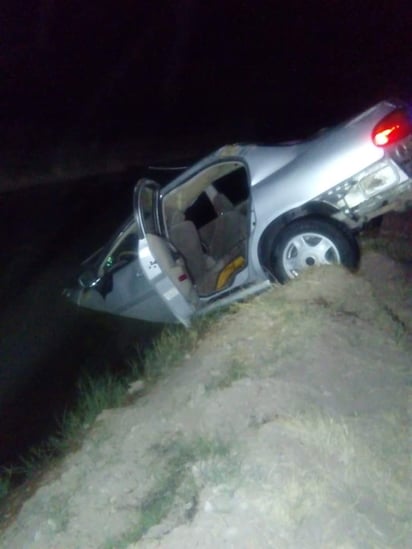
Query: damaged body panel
[[248, 215]]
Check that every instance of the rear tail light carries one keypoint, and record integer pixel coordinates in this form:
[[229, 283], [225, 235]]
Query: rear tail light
[[392, 128]]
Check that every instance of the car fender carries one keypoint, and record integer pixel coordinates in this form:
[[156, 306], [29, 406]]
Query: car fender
[[311, 209]]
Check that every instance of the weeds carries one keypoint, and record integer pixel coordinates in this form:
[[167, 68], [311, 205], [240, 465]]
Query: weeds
[[238, 369], [96, 394], [185, 462], [382, 458], [209, 455], [172, 345]]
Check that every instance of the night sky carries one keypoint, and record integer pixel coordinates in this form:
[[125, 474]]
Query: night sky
[[266, 69]]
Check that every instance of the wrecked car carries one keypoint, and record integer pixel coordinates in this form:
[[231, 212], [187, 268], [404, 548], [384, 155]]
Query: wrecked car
[[248, 215]]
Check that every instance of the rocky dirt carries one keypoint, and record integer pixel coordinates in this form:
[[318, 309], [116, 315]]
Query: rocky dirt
[[287, 425]]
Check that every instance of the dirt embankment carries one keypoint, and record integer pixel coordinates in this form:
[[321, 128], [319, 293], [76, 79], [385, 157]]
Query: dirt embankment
[[286, 426]]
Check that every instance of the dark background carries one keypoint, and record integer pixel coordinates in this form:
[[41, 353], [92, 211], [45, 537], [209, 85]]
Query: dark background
[[264, 70]]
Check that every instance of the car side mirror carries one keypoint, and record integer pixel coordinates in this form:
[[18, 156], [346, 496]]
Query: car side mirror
[[103, 284], [88, 279]]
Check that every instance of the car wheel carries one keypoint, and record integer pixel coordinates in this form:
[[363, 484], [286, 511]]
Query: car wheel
[[309, 242]]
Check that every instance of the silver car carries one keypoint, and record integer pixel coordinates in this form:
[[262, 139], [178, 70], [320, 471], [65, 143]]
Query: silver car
[[248, 215]]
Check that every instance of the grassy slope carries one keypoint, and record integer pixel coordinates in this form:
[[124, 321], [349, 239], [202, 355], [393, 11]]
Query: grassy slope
[[288, 418]]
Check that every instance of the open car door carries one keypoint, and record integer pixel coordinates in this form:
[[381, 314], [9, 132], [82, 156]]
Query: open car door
[[160, 263]]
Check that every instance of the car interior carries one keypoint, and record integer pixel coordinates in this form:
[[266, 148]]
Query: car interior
[[207, 221]]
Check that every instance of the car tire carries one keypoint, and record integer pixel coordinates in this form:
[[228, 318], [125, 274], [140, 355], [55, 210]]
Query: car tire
[[311, 242]]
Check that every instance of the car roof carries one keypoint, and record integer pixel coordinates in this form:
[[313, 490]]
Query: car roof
[[262, 160]]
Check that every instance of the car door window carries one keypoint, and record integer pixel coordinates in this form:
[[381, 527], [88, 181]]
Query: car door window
[[211, 234]]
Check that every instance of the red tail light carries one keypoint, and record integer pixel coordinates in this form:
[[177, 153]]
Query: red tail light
[[392, 128]]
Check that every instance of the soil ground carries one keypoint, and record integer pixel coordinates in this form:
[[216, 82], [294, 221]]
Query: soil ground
[[286, 425]]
